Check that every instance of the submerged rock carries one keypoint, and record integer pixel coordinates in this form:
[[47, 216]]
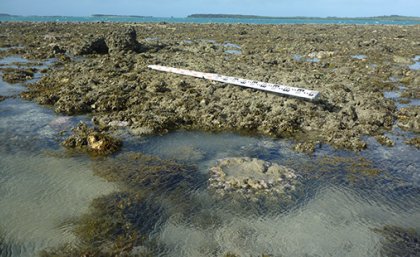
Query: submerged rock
[[399, 242], [115, 226], [252, 177], [2, 98], [145, 172], [91, 141]]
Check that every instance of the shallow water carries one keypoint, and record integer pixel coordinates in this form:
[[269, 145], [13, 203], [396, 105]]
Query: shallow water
[[40, 192], [359, 56], [300, 58], [416, 65], [43, 191]]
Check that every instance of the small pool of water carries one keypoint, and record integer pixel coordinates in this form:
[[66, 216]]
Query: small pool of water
[[401, 102], [233, 51], [359, 57], [416, 65], [300, 58]]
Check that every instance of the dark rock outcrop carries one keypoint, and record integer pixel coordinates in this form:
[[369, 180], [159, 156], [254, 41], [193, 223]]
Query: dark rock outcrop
[[123, 41], [94, 46]]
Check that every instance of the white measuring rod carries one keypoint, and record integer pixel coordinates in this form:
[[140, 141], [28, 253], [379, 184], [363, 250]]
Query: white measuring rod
[[276, 88]]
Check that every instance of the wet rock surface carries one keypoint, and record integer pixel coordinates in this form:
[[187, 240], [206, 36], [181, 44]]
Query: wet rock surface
[[91, 141], [13, 76], [409, 118], [414, 141], [118, 88], [384, 140], [252, 177]]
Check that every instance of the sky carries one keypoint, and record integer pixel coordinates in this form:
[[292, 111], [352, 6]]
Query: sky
[[182, 8]]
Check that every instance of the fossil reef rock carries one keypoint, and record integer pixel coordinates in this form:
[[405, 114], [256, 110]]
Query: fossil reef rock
[[89, 140], [110, 79]]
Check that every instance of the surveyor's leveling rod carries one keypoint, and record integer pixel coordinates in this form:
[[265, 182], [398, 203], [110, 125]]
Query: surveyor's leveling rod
[[276, 88]]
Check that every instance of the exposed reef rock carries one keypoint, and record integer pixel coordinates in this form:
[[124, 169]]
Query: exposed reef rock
[[252, 177], [414, 141], [122, 41], [409, 118], [91, 141], [13, 76], [118, 88], [94, 46], [119, 41], [384, 140]]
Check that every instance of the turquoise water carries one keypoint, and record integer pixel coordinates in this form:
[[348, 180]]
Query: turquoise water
[[202, 20]]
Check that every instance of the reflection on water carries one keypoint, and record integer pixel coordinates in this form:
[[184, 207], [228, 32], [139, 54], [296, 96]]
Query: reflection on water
[[346, 196]]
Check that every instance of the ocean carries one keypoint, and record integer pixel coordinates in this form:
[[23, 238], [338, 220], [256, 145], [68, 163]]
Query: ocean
[[369, 21]]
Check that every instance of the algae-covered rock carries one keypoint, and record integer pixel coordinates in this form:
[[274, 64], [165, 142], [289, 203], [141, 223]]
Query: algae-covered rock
[[115, 225], [384, 140], [399, 242], [306, 147], [123, 40], [250, 177], [409, 118], [13, 76], [414, 141], [2, 98], [91, 141]]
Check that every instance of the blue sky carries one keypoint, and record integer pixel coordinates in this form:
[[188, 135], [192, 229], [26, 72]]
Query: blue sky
[[182, 8]]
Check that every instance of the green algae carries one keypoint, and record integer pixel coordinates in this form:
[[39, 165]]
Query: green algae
[[14, 76]]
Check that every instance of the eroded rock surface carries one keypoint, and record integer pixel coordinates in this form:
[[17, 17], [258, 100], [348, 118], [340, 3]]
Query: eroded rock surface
[[91, 141], [118, 87]]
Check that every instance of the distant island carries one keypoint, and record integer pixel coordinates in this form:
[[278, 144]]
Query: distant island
[[5, 14], [239, 16], [120, 16]]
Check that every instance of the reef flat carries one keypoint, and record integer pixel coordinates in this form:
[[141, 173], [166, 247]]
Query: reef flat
[[101, 69]]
